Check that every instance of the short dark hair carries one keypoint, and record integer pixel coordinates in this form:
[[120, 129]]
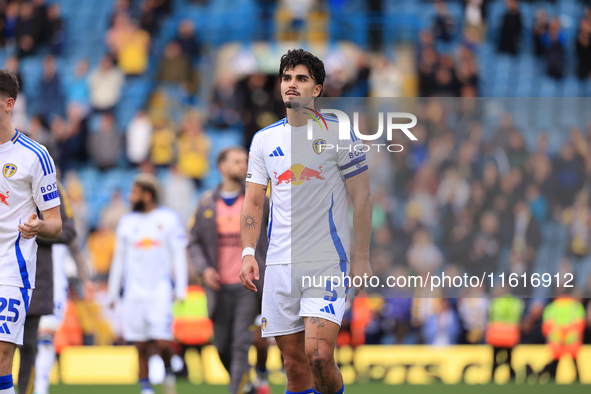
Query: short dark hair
[[8, 84], [296, 57], [223, 155]]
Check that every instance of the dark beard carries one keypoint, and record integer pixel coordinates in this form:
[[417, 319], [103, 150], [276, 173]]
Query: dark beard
[[237, 178], [291, 104], [139, 206]]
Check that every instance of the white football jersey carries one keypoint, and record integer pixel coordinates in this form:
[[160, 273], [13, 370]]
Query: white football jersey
[[308, 219], [27, 183], [151, 247]]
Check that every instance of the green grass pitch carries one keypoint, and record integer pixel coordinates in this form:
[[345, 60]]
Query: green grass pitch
[[370, 388]]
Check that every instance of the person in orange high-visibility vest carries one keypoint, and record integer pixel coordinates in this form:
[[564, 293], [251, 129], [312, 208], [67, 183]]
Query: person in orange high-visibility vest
[[191, 325], [563, 326]]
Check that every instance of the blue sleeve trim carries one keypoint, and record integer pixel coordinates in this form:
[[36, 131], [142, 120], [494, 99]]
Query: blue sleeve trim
[[352, 163], [356, 172]]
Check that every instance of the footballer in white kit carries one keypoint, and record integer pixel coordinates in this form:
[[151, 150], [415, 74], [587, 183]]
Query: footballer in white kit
[[311, 182], [150, 264], [29, 207]]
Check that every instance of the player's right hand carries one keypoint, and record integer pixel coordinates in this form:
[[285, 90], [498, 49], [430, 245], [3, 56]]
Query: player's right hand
[[249, 265], [211, 278]]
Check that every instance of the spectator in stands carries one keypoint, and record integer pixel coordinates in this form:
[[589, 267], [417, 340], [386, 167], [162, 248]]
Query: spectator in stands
[[105, 84], [577, 219], [525, 236], [298, 12], [583, 48], [473, 314], [193, 147], [50, 95], [467, 69], [187, 40], [443, 327], [510, 35], [101, 246], [26, 30], [443, 26], [223, 108], [148, 20], [446, 82], [163, 8], [122, 7], [10, 21], [385, 79], [540, 29], [105, 144], [129, 44], [554, 42], [484, 253], [516, 152], [474, 17], [55, 28], [162, 145], [423, 255], [19, 112], [77, 85], [427, 67], [41, 21], [569, 172], [71, 136], [13, 65], [177, 69], [139, 135]]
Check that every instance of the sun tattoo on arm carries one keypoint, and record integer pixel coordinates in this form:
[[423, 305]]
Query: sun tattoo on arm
[[249, 222]]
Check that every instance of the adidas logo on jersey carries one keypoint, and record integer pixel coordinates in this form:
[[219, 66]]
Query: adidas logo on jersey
[[328, 309], [277, 152]]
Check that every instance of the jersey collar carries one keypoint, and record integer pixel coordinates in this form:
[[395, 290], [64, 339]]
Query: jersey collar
[[15, 137]]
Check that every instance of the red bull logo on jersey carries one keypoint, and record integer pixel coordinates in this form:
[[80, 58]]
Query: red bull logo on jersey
[[147, 243], [4, 198], [298, 174], [8, 170]]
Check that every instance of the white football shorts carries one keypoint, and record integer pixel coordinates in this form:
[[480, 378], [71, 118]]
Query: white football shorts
[[294, 291], [14, 303], [145, 320]]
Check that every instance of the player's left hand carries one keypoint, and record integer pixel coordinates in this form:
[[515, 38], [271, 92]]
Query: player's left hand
[[249, 266], [30, 228], [360, 267]]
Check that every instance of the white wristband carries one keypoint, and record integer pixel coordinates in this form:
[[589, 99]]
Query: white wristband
[[247, 251]]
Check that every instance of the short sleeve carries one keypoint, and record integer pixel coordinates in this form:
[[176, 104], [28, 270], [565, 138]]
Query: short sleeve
[[44, 184], [351, 157], [257, 170]]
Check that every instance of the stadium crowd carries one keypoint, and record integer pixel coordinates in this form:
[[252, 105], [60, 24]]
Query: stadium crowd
[[455, 200]]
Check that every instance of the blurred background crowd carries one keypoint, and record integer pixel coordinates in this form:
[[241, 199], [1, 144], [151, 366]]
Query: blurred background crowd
[[114, 87]]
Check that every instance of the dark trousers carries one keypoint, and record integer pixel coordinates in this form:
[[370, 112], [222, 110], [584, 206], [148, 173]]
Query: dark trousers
[[235, 312], [497, 354], [28, 351]]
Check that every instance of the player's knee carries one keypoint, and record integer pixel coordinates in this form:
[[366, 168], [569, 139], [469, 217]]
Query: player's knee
[[294, 367], [320, 362]]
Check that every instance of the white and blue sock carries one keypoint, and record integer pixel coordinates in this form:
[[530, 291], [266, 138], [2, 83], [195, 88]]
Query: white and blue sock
[[145, 386], [43, 364], [6, 384]]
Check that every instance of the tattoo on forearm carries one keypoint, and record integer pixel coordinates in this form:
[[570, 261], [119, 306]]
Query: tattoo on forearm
[[249, 222], [254, 245]]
